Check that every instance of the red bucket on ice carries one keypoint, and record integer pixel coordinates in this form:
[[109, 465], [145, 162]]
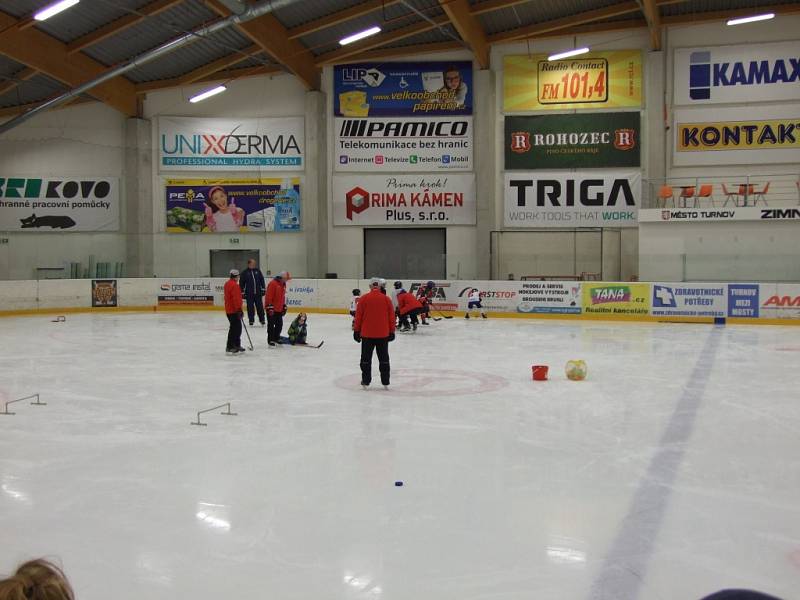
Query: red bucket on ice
[[539, 372]]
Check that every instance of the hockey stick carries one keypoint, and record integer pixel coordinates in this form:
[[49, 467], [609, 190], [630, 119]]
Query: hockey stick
[[288, 343], [249, 341], [444, 316]]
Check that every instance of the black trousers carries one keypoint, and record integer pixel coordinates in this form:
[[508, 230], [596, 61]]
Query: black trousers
[[255, 303], [413, 314], [274, 327], [381, 346], [234, 331]]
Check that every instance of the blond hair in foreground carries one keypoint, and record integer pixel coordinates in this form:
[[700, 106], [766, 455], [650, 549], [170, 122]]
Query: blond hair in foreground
[[36, 580]]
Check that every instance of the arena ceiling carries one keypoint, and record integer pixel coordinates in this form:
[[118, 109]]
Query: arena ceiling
[[41, 60]]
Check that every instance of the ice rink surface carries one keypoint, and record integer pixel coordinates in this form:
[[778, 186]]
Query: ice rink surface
[[671, 472]]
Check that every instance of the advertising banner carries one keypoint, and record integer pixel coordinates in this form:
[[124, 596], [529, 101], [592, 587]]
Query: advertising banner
[[572, 141], [747, 73], [418, 144], [689, 300], [782, 301], [194, 143], [104, 292], [57, 204], [397, 89], [532, 297], [232, 206], [737, 135], [697, 215], [616, 298], [611, 79], [404, 200], [558, 199], [189, 291], [743, 300]]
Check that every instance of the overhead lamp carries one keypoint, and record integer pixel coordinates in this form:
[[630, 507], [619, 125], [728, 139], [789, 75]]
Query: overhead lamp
[[207, 94], [359, 36], [753, 19], [568, 53], [54, 9]]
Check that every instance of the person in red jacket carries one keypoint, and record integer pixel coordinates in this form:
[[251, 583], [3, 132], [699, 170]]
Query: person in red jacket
[[275, 303], [233, 309], [374, 329], [407, 306]]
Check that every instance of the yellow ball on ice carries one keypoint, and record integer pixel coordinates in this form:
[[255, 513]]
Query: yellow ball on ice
[[576, 370]]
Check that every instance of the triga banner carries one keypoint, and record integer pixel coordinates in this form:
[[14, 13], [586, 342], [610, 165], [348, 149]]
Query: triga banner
[[189, 143], [559, 199], [397, 89], [59, 204], [400, 144], [236, 206]]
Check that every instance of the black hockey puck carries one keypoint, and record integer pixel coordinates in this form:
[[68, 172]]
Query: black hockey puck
[[398, 484]]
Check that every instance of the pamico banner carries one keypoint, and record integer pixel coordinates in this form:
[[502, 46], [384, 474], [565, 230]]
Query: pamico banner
[[611, 79], [404, 199], [616, 298], [396, 89], [558, 199], [573, 141], [59, 204], [418, 144], [189, 143], [744, 73], [237, 206]]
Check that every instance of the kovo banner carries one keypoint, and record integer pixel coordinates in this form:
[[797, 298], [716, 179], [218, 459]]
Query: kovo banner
[[232, 206], [573, 141], [400, 144], [415, 200], [400, 89], [763, 72], [736, 135], [696, 215], [58, 203], [611, 79], [558, 199], [189, 143]]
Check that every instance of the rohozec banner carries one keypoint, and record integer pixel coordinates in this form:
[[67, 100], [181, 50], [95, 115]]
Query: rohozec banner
[[610, 79], [416, 200], [747, 73], [397, 89], [558, 199], [395, 144], [57, 204], [572, 141], [190, 143]]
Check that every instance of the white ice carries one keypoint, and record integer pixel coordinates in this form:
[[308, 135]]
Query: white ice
[[671, 472]]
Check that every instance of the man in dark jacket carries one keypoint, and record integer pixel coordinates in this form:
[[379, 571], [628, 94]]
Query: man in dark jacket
[[253, 287]]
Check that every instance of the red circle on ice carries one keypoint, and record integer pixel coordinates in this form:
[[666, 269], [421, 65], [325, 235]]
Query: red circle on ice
[[436, 382]]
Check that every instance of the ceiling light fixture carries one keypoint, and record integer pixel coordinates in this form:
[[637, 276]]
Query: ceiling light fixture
[[207, 94], [359, 36], [753, 19], [568, 53], [54, 9]]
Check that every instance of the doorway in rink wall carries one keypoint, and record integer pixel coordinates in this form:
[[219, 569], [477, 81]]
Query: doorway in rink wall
[[413, 253]]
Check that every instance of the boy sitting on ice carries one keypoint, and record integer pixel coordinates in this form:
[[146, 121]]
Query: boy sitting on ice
[[297, 330]]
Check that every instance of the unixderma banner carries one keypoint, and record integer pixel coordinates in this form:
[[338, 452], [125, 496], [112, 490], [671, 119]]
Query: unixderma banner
[[397, 89], [558, 199], [413, 200], [189, 143], [237, 206], [59, 204], [610, 79], [689, 300], [410, 143], [737, 74], [572, 141]]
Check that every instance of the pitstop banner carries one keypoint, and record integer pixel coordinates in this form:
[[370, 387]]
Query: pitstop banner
[[56, 204], [434, 199]]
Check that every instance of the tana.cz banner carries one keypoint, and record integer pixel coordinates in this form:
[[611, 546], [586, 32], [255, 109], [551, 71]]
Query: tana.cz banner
[[402, 89], [746, 73], [415, 200], [232, 206], [558, 199], [695, 215], [192, 143], [611, 79], [616, 298], [573, 141], [737, 135], [411, 143], [56, 204]]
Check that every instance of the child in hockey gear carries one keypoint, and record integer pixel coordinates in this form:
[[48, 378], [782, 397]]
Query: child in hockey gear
[[298, 330], [474, 301], [374, 329], [425, 296], [354, 302], [408, 307], [275, 303], [233, 309]]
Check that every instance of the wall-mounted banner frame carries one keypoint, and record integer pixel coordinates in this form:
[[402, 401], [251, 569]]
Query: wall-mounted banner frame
[[721, 214]]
